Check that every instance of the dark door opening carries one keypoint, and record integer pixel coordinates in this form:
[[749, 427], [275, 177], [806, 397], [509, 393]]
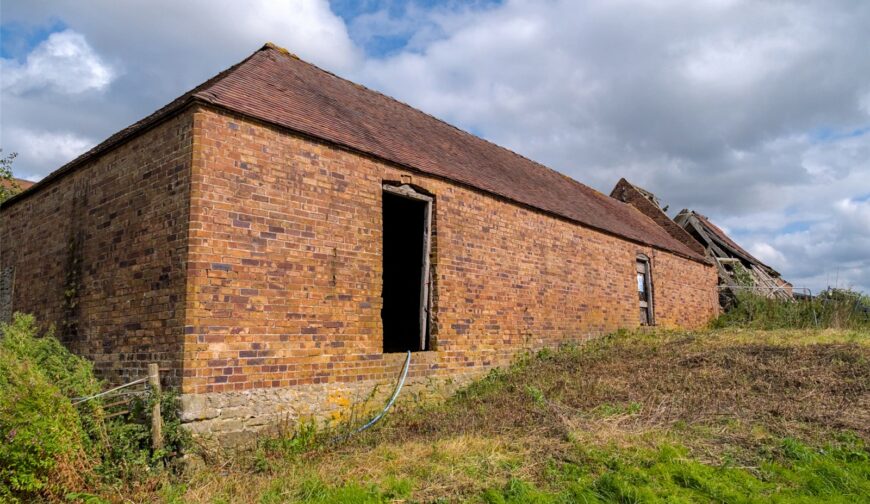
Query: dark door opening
[[406, 269]]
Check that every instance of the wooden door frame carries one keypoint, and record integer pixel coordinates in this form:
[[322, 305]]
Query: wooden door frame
[[409, 192]]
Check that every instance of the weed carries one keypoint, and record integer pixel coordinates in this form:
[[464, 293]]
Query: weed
[[833, 308], [536, 395], [291, 441]]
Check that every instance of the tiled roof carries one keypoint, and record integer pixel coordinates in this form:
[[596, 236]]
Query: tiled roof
[[22, 184], [278, 88]]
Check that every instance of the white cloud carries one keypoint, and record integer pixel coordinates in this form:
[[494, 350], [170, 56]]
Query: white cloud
[[734, 57], [766, 253], [831, 251], [178, 44], [865, 102], [854, 216], [44, 147], [711, 105], [307, 27], [63, 63], [141, 54]]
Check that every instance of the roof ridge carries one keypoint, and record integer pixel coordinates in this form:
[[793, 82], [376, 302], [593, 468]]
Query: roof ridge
[[285, 52], [582, 186]]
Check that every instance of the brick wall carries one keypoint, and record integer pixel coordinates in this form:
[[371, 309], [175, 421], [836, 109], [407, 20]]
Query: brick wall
[[100, 253], [285, 269], [248, 261]]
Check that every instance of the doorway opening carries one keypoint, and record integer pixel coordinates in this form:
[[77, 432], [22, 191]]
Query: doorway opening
[[407, 220]]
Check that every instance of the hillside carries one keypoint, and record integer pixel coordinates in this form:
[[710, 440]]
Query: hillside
[[719, 416]]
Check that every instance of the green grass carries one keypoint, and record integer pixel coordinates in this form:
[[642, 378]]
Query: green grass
[[789, 471], [669, 473], [730, 415]]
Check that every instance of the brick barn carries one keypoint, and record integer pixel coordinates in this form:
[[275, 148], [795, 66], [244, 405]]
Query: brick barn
[[278, 237]]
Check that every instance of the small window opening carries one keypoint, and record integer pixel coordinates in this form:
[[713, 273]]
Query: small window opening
[[644, 291], [407, 220]]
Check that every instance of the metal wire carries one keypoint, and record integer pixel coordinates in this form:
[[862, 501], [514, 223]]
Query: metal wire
[[79, 400]]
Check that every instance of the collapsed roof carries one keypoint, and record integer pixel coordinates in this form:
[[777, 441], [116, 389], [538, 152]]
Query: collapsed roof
[[728, 255], [276, 87], [696, 231]]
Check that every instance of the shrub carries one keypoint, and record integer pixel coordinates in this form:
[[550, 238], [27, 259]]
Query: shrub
[[42, 446], [71, 374], [128, 456], [833, 308], [50, 446]]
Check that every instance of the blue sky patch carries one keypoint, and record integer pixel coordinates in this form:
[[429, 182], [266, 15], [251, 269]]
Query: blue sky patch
[[400, 20], [18, 39], [795, 227], [826, 134]]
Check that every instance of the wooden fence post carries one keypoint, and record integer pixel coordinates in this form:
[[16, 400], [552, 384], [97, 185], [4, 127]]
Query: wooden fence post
[[156, 421]]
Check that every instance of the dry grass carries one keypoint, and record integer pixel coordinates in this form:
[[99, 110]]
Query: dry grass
[[722, 394], [640, 382]]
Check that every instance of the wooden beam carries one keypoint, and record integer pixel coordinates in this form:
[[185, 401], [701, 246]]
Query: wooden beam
[[424, 274], [156, 421], [406, 191]]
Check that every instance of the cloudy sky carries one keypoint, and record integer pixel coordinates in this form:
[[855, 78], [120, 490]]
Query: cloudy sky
[[755, 113]]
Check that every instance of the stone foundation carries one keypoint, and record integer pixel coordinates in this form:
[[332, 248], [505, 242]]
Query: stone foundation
[[237, 417]]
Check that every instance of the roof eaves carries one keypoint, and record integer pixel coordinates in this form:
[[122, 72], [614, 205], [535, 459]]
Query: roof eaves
[[201, 94], [207, 96]]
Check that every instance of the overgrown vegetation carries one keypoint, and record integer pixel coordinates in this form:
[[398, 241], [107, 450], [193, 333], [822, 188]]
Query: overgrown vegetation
[[726, 415], [833, 308], [55, 449], [730, 415]]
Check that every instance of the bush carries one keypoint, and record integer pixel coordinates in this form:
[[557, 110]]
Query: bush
[[128, 456], [50, 446], [43, 440], [833, 308]]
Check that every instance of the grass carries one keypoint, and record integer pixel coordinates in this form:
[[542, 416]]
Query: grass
[[832, 308], [728, 415]]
